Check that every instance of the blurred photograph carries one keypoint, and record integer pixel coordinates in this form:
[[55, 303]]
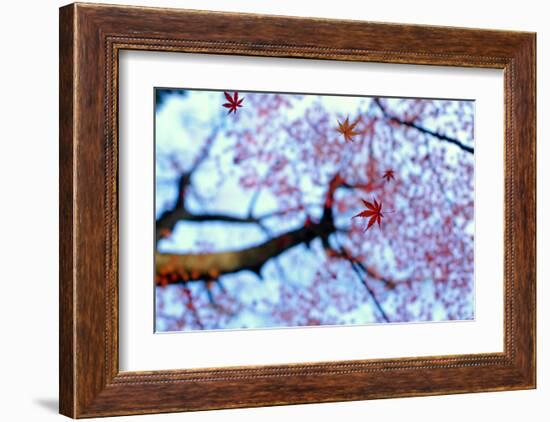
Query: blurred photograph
[[279, 210]]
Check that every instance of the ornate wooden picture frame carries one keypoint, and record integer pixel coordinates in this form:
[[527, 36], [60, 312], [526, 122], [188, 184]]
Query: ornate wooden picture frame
[[91, 37]]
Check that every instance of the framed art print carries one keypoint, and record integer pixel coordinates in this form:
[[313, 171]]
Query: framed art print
[[345, 209]]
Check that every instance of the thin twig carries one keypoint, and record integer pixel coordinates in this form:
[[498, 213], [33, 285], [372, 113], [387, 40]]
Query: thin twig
[[357, 267], [422, 129]]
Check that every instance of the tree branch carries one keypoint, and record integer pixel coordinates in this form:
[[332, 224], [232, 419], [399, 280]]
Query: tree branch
[[181, 268], [422, 129], [166, 223], [356, 265], [168, 220]]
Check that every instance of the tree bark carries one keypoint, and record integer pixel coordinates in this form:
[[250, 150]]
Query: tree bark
[[180, 268]]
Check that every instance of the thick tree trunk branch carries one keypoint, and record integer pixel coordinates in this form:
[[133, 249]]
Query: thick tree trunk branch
[[181, 268]]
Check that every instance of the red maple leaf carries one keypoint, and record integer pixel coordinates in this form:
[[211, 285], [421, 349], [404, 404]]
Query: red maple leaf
[[347, 129], [388, 175], [373, 211], [233, 102]]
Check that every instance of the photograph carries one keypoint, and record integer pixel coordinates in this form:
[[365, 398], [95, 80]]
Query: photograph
[[280, 209]]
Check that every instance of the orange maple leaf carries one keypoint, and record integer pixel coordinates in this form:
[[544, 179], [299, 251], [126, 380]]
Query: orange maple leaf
[[347, 129]]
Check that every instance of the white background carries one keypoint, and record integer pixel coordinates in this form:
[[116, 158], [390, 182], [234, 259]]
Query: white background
[[28, 166], [140, 348]]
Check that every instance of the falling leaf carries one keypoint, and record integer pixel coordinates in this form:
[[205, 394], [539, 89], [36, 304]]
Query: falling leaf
[[373, 212], [388, 175], [347, 129], [233, 102]]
